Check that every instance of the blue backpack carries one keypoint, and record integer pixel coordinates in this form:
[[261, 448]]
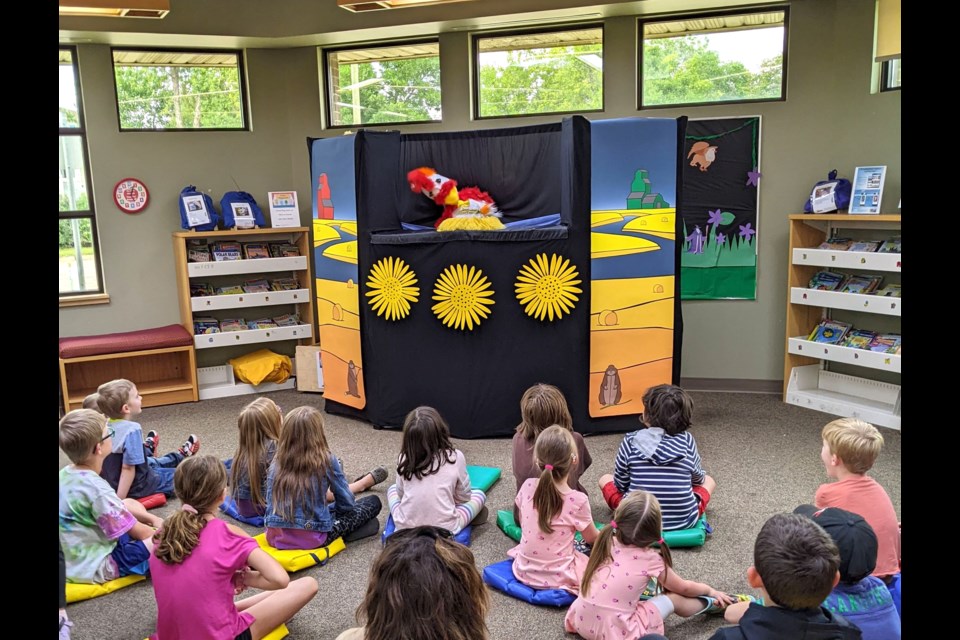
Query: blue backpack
[[196, 210], [234, 204], [838, 190]]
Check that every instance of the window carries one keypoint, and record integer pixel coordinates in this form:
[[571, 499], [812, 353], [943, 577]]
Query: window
[[395, 84], [713, 58], [890, 75], [533, 73], [179, 90], [79, 257]]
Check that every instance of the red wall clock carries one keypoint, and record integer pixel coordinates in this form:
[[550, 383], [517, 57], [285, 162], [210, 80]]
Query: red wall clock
[[131, 195]]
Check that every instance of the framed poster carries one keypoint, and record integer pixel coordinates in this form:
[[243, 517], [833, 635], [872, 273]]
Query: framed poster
[[867, 190]]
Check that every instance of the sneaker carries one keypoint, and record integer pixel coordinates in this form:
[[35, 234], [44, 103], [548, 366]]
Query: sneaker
[[481, 516], [369, 528], [191, 446], [714, 606], [152, 442]]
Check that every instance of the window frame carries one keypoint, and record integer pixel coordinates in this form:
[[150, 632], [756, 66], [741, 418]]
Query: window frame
[[327, 82], [713, 14], [885, 74], [557, 28], [241, 79], [80, 131]]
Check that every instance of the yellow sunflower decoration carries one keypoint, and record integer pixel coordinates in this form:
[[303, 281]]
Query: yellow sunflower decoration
[[547, 287], [463, 297], [391, 283]]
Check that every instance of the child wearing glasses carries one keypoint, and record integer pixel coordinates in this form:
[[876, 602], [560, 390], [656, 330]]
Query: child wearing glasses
[[102, 536], [133, 469]]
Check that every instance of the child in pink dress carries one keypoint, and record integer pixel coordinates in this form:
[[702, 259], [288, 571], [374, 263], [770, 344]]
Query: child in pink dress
[[550, 515], [623, 562]]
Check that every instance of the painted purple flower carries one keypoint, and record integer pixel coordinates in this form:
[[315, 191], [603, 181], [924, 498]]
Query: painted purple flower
[[746, 232], [716, 217], [753, 178], [721, 238]]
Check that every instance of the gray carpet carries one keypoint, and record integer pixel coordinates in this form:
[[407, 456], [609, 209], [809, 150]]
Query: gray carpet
[[763, 453]]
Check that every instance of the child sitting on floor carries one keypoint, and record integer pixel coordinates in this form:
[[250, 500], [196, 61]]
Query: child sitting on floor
[[102, 537], [850, 447], [626, 559], [303, 469], [432, 487], [550, 515], [200, 563], [259, 427], [795, 565], [663, 459], [541, 406], [133, 469]]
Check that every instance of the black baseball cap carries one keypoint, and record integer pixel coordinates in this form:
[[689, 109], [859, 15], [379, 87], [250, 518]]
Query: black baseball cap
[[853, 536]]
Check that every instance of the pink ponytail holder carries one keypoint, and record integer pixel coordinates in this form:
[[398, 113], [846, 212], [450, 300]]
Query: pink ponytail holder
[[613, 525], [188, 508], [548, 467], [662, 542]]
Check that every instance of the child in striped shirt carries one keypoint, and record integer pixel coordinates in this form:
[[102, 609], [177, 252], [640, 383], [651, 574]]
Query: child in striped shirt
[[662, 458]]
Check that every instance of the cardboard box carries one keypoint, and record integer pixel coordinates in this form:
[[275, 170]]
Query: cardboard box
[[309, 369]]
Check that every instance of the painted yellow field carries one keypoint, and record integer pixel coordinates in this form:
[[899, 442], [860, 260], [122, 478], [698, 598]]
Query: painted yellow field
[[633, 382], [653, 220], [629, 347], [658, 313], [607, 245], [335, 371], [617, 294], [342, 251], [598, 218], [323, 231], [342, 342], [335, 292]]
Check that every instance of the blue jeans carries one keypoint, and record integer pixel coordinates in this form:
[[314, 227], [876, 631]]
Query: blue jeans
[[164, 467]]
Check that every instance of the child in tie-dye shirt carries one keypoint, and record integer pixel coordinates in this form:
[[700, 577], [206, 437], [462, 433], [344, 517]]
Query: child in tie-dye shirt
[[103, 537]]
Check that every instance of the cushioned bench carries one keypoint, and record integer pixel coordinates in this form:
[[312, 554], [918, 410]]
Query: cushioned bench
[[161, 361]]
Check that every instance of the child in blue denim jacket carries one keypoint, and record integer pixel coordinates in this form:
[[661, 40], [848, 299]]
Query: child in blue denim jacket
[[303, 469]]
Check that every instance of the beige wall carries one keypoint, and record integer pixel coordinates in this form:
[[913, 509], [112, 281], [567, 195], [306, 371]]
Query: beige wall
[[830, 120]]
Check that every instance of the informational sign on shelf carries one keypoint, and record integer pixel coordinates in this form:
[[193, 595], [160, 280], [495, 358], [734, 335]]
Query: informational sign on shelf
[[284, 211]]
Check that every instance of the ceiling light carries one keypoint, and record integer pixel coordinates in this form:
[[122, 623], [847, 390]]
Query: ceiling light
[[115, 8], [358, 6]]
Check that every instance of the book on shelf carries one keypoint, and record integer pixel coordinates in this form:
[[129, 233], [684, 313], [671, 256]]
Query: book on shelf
[[890, 246], [827, 281], [888, 290], [233, 324], [201, 289], [203, 325], [886, 343], [859, 338], [836, 244], [284, 284], [283, 250], [830, 332], [198, 251], [229, 290], [224, 251], [259, 285], [861, 284], [262, 323], [864, 245], [256, 250], [287, 320]]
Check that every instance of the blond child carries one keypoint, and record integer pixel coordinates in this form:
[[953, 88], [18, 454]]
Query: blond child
[[132, 469], [200, 563], [102, 536], [551, 513]]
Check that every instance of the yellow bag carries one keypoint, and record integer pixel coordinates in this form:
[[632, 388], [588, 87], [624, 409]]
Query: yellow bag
[[77, 591], [262, 366], [296, 559]]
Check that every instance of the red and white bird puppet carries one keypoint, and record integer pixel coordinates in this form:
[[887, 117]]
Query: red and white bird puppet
[[463, 209]]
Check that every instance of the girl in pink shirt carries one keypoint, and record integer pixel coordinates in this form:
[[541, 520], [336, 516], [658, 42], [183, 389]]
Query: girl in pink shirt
[[551, 513], [432, 487], [624, 561], [200, 563]]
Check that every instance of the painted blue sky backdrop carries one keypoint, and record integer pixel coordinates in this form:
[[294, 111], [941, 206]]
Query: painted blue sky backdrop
[[334, 156], [623, 145]]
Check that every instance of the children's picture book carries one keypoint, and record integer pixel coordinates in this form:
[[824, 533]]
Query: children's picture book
[[233, 324], [203, 325], [864, 245], [830, 331], [198, 251], [890, 246], [284, 284], [861, 284], [826, 281], [287, 320], [283, 250], [262, 323], [886, 343], [229, 290], [859, 338], [201, 289], [255, 250], [223, 251], [256, 286], [836, 244], [888, 290]]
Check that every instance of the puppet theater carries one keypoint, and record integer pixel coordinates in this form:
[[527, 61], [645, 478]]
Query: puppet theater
[[579, 289]]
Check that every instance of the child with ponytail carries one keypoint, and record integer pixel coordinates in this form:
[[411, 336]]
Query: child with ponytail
[[551, 513], [625, 559], [200, 563]]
